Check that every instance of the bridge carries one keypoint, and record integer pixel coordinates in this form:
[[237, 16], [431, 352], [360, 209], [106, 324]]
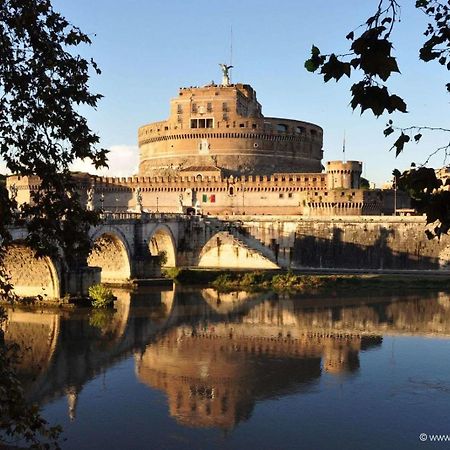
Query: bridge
[[129, 246]]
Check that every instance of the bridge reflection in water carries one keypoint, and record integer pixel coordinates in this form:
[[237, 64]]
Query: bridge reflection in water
[[213, 355]]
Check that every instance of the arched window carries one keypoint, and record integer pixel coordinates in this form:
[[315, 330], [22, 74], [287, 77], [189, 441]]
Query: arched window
[[282, 128]]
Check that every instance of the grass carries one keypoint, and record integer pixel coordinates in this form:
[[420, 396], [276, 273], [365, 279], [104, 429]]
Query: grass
[[226, 281]]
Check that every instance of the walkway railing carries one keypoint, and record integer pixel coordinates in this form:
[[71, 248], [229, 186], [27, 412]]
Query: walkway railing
[[144, 216]]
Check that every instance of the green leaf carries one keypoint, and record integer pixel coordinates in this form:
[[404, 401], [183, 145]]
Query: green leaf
[[422, 3], [311, 66], [388, 131], [400, 143], [315, 51], [396, 103]]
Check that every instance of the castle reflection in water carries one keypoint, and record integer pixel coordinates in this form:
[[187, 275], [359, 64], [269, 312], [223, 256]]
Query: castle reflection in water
[[214, 355]]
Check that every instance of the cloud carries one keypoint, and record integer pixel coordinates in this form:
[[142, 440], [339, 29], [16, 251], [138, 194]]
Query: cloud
[[123, 161]]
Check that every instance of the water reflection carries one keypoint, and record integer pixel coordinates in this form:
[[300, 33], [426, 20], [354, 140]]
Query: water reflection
[[213, 375], [214, 355]]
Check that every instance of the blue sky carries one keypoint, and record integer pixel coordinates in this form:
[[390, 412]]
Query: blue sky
[[148, 49]]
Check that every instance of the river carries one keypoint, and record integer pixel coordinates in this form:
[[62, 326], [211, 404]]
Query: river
[[181, 368]]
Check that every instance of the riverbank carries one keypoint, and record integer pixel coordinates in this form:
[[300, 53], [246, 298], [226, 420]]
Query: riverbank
[[226, 281]]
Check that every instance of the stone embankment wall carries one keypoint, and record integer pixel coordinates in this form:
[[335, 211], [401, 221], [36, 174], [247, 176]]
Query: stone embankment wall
[[372, 242]]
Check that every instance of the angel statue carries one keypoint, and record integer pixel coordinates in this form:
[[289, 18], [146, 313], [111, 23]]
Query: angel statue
[[138, 196], [225, 74], [13, 191], [90, 199]]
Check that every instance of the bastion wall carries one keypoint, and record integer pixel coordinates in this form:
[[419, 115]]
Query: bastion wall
[[352, 242]]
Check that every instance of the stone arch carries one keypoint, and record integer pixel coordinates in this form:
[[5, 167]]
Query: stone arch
[[31, 276], [111, 253], [223, 250], [162, 240]]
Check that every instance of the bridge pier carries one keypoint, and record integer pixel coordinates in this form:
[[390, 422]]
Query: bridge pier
[[76, 282]]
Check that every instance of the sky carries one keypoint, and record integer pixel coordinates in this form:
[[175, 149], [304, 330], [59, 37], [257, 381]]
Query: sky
[[148, 49]]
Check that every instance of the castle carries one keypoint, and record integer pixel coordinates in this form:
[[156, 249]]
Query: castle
[[217, 154]]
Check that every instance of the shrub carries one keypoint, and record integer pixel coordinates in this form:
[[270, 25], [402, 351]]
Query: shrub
[[162, 255], [171, 272], [101, 296]]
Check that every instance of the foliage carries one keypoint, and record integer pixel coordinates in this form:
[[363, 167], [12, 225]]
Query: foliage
[[102, 296], [371, 57], [254, 281], [191, 276], [42, 86], [364, 183], [312, 284], [171, 272], [162, 257]]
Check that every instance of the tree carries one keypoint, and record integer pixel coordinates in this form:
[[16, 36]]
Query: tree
[[370, 57], [42, 86], [364, 183]]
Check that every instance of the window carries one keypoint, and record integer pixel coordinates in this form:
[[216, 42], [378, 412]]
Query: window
[[300, 130], [282, 128], [290, 195], [313, 133], [179, 109], [194, 107], [209, 107], [225, 107], [281, 195], [202, 123]]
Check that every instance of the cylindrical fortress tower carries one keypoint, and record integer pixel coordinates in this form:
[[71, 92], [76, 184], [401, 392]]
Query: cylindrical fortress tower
[[344, 174], [223, 127]]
